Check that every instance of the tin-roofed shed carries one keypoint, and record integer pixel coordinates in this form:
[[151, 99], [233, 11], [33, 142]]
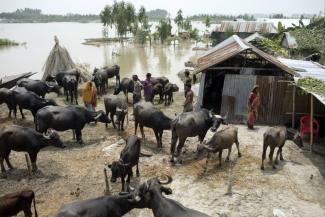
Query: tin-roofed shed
[[229, 72]]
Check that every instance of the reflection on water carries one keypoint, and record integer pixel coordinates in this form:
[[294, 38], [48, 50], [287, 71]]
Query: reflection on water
[[157, 59]]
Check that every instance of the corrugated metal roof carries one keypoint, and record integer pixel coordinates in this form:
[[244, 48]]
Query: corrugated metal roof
[[247, 26], [288, 41], [231, 47], [256, 35]]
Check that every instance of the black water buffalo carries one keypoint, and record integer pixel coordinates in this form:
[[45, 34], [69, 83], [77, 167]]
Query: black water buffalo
[[275, 137], [168, 92], [100, 80], [106, 206], [28, 100], [162, 80], [191, 124], [11, 204], [6, 96], [223, 139], [126, 85], [115, 105], [60, 75], [158, 89], [65, 118], [129, 158], [39, 87], [151, 193], [105, 73], [146, 115], [70, 87], [25, 139]]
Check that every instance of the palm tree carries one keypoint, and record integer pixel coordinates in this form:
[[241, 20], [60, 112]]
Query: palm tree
[[179, 19]]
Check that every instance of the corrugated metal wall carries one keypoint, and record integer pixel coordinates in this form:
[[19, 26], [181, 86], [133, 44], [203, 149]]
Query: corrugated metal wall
[[235, 94]]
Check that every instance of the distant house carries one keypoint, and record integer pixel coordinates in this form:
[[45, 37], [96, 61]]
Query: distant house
[[229, 72], [243, 29], [288, 41]]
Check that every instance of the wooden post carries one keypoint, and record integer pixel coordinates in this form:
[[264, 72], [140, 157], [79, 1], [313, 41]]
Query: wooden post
[[311, 122], [28, 165], [107, 190], [293, 106]]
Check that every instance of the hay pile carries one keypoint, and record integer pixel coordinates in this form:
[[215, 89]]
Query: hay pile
[[60, 60]]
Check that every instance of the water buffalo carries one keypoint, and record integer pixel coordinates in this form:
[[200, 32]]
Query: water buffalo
[[25, 139], [64, 118], [191, 124], [28, 100], [106, 73], [275, 137], [129, 158], [115, 105], [158, 90], [100, 80], [146, 115], [106, 206], [70, 87], [39, 87], [223, 139], [126, 85], [151, 192], [11, 204], [6, 96], [168, 92], [162, 80], [60, 75]]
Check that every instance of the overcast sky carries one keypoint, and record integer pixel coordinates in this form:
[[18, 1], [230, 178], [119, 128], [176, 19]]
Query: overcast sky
[[189, 7]]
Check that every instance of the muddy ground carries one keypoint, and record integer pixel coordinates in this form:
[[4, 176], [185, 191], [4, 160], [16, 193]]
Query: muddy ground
[[296, 187]]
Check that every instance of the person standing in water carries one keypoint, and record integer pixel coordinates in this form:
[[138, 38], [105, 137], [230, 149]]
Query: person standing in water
[[188, 104], [89, 96], [253, 104], [147, 88], [137, 89]]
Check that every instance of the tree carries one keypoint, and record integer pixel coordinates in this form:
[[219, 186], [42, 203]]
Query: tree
[[142, 14], [106, 16], [187, 25], [207, 22], [281, 28], [163, 30], [179, 19]]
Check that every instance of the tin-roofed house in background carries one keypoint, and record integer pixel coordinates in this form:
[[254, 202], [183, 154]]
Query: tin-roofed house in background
[[243, 29]]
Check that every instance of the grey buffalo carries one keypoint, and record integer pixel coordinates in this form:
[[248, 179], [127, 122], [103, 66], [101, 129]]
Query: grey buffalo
[[17, 138], [115, 105], [168, 92], [6, 96], [65, 118], [146, 115], [275, 137], [191, 124]]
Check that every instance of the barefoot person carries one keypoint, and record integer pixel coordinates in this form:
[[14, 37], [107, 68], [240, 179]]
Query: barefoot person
[[147, 88], [188, 104], [137, 89], [89, 96], [252, 106]]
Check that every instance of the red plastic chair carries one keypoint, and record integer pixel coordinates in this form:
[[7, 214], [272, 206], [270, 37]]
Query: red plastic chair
[[305, 126]]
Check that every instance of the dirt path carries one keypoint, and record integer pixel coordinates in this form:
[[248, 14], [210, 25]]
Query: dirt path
[[76, 173]]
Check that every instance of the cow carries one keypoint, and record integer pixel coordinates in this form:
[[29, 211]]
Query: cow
[[126, 85], [70, 87], [221, 140], [28, 100], [146, 115], [105, 206], [39, 87], [64, 118], [151, 193], [11, 204], [191, 124], [158, 90], [7, 98], [275, 137], [116, 106], [129, 158], [23, 139], [168, 92]]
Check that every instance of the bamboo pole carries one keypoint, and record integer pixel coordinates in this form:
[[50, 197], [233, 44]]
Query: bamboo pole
[[311, 122], [107, 190], [293, 106], [28, 166]]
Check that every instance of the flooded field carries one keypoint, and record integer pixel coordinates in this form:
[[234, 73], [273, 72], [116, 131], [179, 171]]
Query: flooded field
[[296, 188]]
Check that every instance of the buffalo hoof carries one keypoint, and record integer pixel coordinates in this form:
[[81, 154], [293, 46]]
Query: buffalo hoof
[[239, 154], [274, 167], [262, 167], [138, 174], [281, 158], [276, 162], [227, 159], [81, 142]]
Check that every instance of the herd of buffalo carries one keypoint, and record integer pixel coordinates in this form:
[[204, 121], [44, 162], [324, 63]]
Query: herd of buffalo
[[50, 118]]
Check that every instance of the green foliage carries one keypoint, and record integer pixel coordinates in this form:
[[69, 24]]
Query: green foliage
[[281, 28], [7, 42], [142, 14], [194, 34], [164, 29], [179, 19], [106, 16], [207, 22], [157, 14], [270, 46], [187, 25], [217, 18], [313, 85]]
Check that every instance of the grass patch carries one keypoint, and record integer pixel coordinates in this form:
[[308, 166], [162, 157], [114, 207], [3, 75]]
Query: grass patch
[[7, 42]]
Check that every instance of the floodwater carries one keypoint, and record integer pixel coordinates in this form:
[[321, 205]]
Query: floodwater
[[157, 59]]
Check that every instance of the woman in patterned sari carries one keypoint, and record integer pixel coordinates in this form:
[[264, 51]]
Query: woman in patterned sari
[[252, 106]]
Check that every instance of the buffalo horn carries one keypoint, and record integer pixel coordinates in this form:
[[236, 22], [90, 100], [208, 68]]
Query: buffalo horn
[[46, 136], [169, 180], [97, 116]]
